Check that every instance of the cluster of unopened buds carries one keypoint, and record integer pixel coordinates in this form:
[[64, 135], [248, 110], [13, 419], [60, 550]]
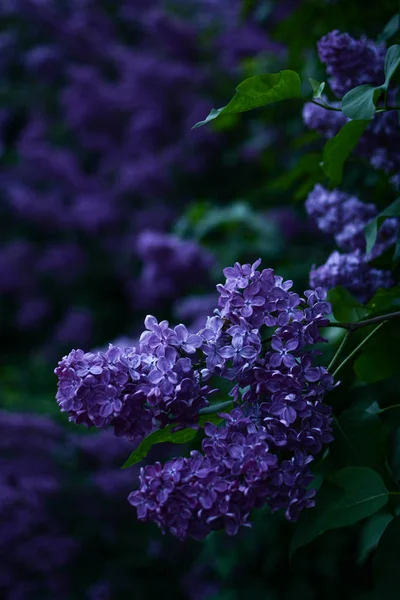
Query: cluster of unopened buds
[[259, 339]]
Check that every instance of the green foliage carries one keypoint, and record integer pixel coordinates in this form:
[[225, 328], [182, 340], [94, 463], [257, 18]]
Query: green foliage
[[360, 102], [371, 230], [338, 149], [390, 29], [317, 87], [344, 306], [348, 496], [360, 440], [385, 300], [371, 533], [157, 437], [257, 91], [379, 359], [386, 563], [392, 61]]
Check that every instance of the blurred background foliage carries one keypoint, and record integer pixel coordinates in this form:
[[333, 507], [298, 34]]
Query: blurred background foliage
[[112, 207]]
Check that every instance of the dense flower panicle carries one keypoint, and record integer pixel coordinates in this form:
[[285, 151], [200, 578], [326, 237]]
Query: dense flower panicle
[[345, 217], [237, 471], [352, 272], [262, 452], [341, 215], [351, 62], [381, 141], [135, 389], [325, 122]]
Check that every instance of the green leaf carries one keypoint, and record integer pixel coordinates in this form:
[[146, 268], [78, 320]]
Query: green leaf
[[360, 103], [384, 300], [392, 61], [394, 457], [338, 148], [387, 561], [379, 359], [157, 437], [371, 230], [317, 87], [348, 496], [344, 306], [390, 29], [371, 533], [360, 440], [257, 91]]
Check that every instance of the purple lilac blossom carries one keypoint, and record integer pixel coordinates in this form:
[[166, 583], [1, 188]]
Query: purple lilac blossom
[[352, 272], [325, 122], [263, 451], [345, 217], [135, 390], [351, 63]]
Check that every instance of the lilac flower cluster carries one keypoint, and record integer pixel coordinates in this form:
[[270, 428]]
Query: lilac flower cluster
[[343, 216], [135, 390], [218, 489], [256, 340], [350, 63]]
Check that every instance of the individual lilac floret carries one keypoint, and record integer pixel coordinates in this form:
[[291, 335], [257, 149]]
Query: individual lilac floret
[[352, 272], [351, 62]]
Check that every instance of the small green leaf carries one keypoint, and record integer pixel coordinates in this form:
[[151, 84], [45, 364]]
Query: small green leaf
[[371, 230], [344, 306], [360, 103], [384, 300], [338, 148], [386, 563], [157, 437], [360, 440], [348, 496], [371, 533], [257, 91], [390, 29], [392, 61], [317, 87]]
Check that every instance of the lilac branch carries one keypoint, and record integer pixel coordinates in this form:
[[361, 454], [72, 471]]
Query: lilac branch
[[366, 322]]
